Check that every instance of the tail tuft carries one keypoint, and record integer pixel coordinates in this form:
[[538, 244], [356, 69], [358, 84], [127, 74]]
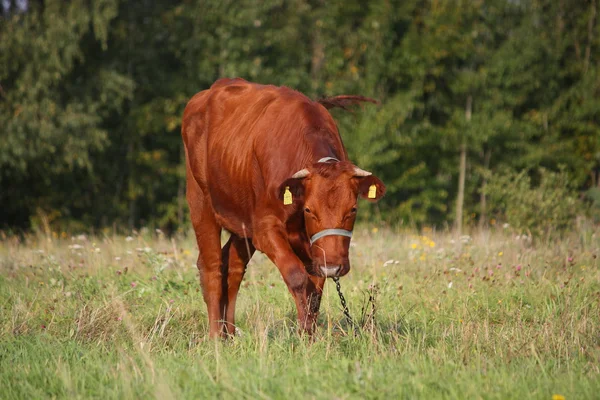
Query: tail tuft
[[345, 101]]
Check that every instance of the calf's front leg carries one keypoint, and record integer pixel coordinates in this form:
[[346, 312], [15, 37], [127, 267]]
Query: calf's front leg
[[271, 239]]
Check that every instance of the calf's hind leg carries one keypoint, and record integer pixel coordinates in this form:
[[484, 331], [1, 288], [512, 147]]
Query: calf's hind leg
[[208, 236], [235, 257]]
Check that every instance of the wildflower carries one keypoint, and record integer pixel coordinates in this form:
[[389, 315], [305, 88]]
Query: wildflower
[[413, 246], [117, 258], [570, 259], [518, 267], [500, 254], [431, 243], [450, 285], [128, 239], [558, 397], [375, 230], [133, 284], [498, 266]]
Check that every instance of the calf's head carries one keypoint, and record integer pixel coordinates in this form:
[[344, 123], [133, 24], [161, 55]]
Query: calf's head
[[327, 194]]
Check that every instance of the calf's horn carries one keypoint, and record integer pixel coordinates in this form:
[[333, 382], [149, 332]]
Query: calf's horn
[[361, 172], [303, 173]]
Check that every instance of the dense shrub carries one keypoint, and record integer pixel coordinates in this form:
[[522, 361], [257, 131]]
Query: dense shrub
[[540, 203]]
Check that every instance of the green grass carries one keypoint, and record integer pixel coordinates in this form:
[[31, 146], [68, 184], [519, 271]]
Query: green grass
[[111, 317]]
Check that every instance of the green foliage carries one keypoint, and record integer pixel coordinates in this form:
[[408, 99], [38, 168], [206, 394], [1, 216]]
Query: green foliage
[[91, 96], [543, 209]]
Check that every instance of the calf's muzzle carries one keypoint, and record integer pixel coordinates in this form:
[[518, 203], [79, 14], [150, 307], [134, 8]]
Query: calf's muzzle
[[334, 269]]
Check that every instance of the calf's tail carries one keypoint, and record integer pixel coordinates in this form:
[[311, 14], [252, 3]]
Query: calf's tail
[[345, 101]]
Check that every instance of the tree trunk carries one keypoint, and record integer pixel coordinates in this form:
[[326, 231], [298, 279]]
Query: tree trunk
[[131, 186], [317, 59], [483, 198], [588, 48], [462, 168], [131, 148], [318, 49], [560, 24]]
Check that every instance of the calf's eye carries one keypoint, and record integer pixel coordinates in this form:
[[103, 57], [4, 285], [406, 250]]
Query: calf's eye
[[353, 210], [307, 210]]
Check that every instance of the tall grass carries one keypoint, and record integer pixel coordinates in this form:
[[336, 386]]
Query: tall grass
[[484, 316]]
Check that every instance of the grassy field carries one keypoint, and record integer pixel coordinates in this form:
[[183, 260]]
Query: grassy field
[[489, 316]]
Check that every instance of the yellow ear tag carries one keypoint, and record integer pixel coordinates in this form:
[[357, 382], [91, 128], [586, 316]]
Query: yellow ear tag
[[287, 196], [372, 191]]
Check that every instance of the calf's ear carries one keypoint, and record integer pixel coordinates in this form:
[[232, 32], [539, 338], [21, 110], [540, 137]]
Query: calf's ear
[[370, 187], [291, 191]]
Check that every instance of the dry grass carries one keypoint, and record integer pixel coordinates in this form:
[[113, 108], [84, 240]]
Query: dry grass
[[484, 316]]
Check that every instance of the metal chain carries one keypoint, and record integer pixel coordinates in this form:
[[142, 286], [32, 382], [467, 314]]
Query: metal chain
[[344, 305]]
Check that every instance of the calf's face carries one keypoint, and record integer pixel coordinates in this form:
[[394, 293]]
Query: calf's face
[[327, 195]]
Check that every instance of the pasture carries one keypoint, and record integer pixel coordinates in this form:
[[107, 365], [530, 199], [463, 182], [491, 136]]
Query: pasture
[[490, 315]]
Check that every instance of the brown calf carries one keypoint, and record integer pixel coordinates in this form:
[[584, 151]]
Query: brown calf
[[268, 165]]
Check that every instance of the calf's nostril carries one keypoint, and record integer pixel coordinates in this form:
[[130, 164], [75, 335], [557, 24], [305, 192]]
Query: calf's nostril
[[330, 271]]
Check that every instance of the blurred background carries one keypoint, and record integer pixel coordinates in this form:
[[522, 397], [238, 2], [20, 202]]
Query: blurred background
[[490, 110]]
